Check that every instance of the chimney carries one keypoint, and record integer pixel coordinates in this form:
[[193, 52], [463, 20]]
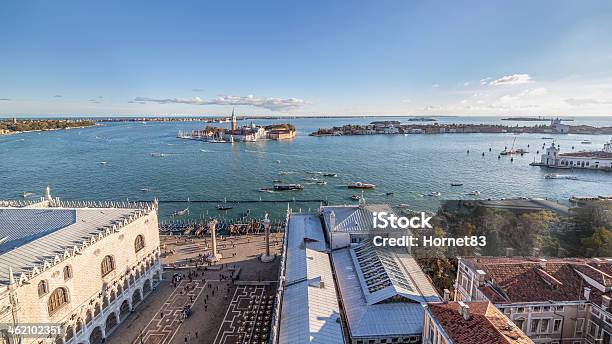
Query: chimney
[[605, 301], [509, 252], [543, 263], [446, 295], [464, 310], [481, 277], [587, 293]]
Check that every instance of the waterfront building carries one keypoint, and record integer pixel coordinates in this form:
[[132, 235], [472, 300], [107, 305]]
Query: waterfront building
[[469, 323], [557, 301], [310, 311], [601, 160], [84, 266], [251, 133], [558, 127], [281, 134]]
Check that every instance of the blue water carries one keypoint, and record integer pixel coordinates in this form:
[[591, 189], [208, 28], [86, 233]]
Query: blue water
[[411, 166]]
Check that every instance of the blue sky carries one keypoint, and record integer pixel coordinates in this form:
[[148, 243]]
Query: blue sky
[[307, 57]]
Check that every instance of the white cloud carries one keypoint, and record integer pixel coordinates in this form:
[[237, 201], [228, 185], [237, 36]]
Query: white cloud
[[587, 101], [467, 83], [514, 79], [435, 86], [274, 104], [484, 81], [57, 96]]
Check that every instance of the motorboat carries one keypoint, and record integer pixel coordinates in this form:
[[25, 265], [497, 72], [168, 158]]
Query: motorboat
[[26, 194], [181, 212], [356, 197], [330, 174], [560, 176], [288, 187], [474, 193], [321, 182], [224, 205], [360, 185], [145, 190], [310, 179], [158, 155], [102, 162], [456, 184], [435, 194], [390, 193]]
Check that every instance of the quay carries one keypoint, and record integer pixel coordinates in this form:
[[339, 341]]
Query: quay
[[292, 200]]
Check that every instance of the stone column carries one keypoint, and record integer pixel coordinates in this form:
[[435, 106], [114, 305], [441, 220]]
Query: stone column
[[215, 256], [266, 257]]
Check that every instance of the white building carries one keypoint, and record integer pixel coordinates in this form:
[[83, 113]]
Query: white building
[[558, 127], [84, 266], [584, 160]]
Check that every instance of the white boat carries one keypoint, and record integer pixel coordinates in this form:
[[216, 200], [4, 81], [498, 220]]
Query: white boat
[[360, 185], [435, 194], [26, 194], [102, 162], [158, 155], [560, 176], [181, 212], [474, 193], [266, 190]]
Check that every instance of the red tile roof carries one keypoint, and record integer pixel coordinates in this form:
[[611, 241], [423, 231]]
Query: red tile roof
[[486, 325], [533, 280]]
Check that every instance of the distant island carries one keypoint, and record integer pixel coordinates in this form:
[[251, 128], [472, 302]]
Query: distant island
[[531, 119], [15, 126]]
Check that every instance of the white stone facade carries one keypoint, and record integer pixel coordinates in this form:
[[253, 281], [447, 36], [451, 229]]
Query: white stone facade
[[97, 301]]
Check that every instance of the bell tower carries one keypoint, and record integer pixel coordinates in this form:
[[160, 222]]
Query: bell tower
[[233, 119]]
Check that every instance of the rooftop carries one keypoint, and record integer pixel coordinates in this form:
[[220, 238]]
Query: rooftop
[[486, 324], [382, 291], [353, 218], [521, 279], [310, 311], [30, 238]]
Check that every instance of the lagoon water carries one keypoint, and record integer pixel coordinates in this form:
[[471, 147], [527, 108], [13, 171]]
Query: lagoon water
[[410, 166]]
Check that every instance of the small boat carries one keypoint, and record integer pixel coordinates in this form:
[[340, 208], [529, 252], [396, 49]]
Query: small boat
[[310, 179], [266, 190], [277, 181], [435, 194], [330, 174], [288, 187], [356, 197], [456, 184], [26, 194], [282, 173], [314, 172], [360, 185], [321, 182], [389, 193], [586, 142], [158, 155], [474, 193], [224, 207], [181, 212], [145, 190], [278, 161], [102, 162], [560, 176], [217, 141], [548, 138]]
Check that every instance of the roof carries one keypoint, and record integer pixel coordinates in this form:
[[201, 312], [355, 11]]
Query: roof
[[595, 154], [519, 279], [310, 312], [486, 324], [38, 235], [388, 311], [353, 218]]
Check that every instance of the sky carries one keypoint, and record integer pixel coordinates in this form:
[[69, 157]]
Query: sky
[[407, 57]]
